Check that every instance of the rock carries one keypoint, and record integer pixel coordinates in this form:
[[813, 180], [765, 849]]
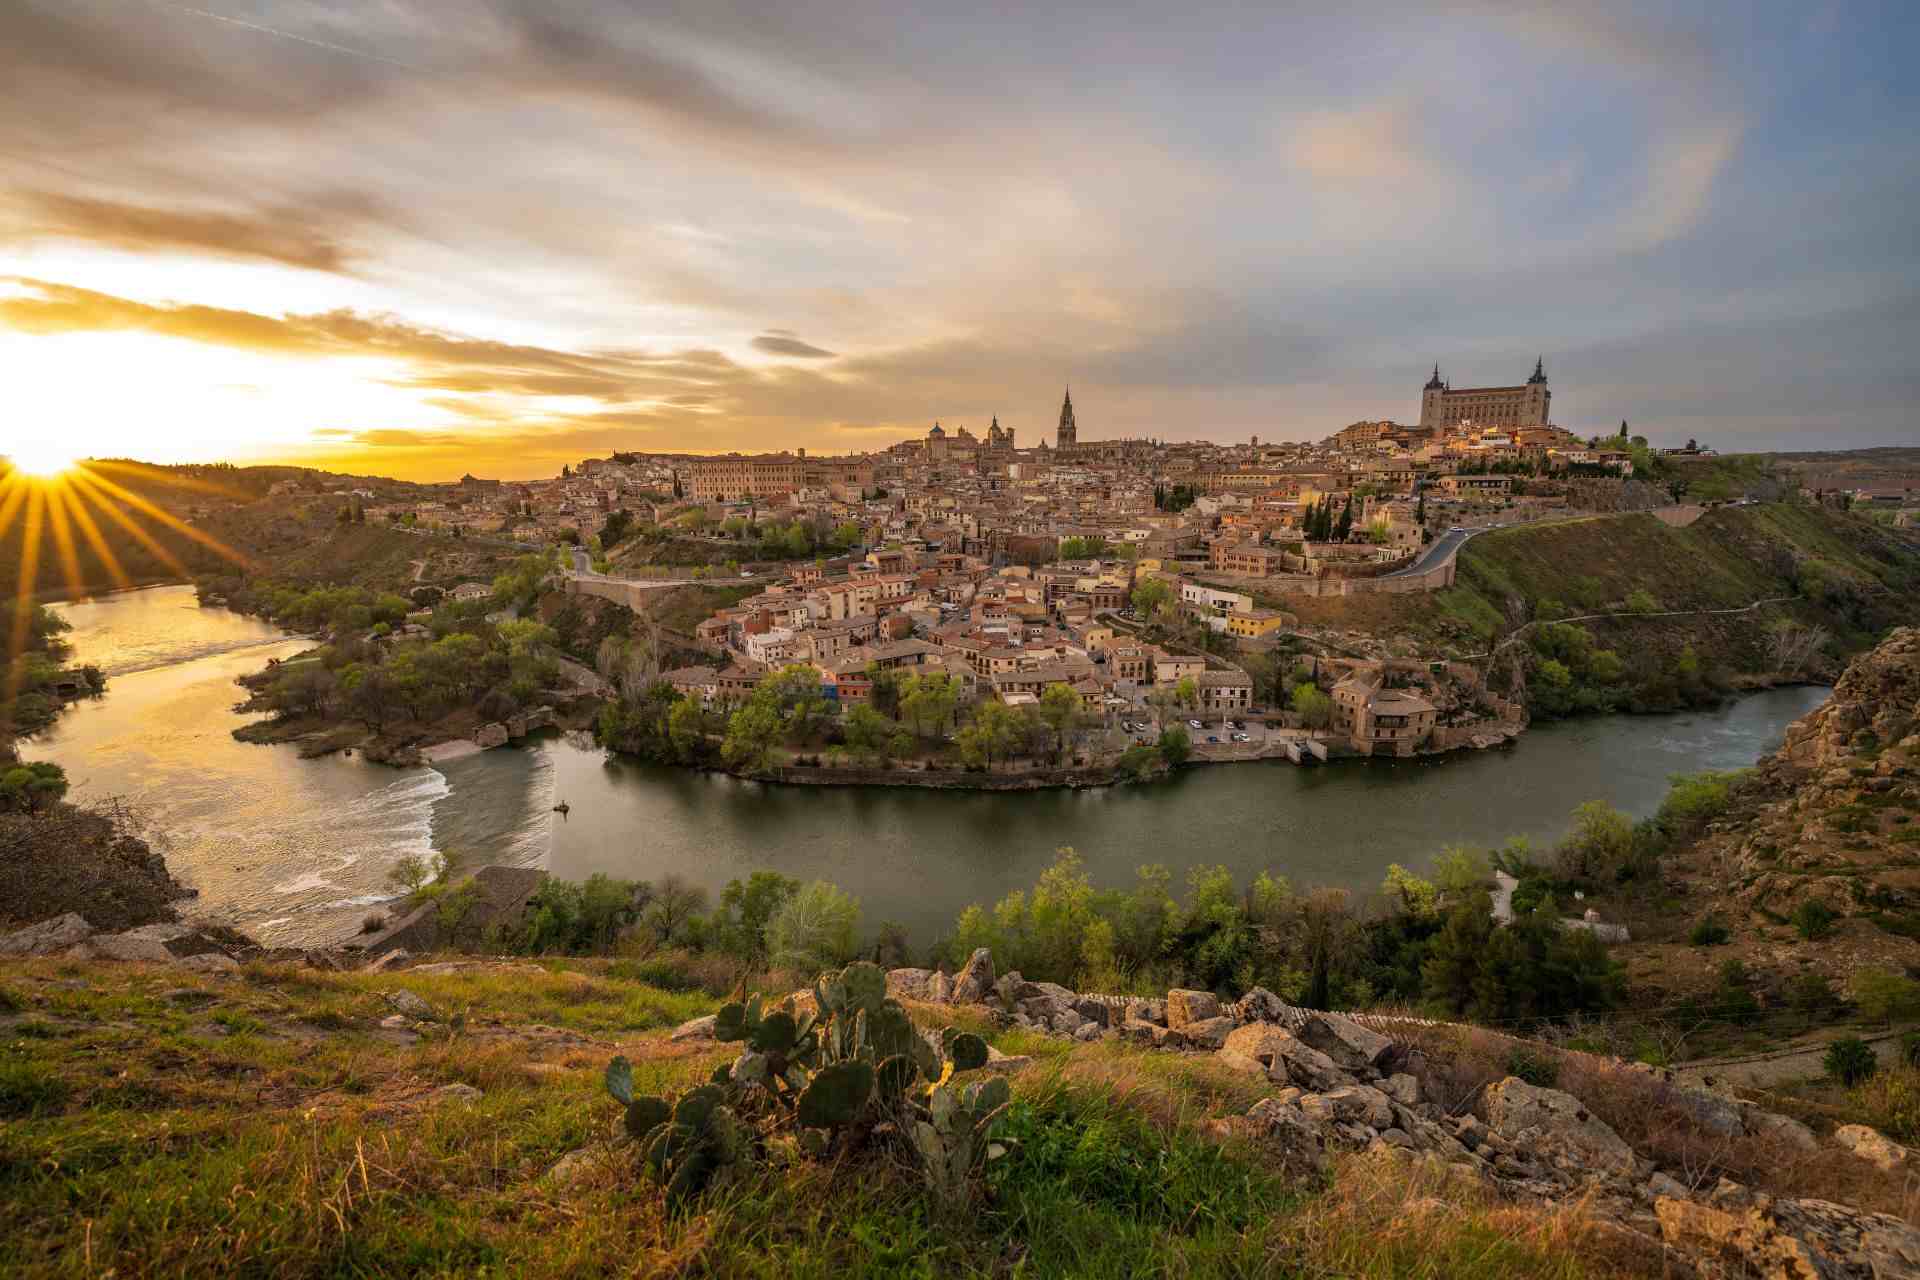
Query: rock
[[489, 736], [1345, 1041], [1403, 1089], [940, 989], [49, 937], [1208, 1033], [1139, 1010], [1397, 1138], [1012, 988], [1711, 1112], [1185, 1007], [1005, 1064], [395, 1022], [1066, 1022], [1286, 1124], [411, 1005], [1096, 1011], [1782, 1129], [147, 943], [908, 984], [1288, 1059], [571, 1167], [975, 978], [1138, 1031], [695, 1029], [394, 959], [456, 1093], [1661, 1185], [1360, 1104], [209, 962], [1791, 1239], [1235, 1061], [1088, 1032], [1261, 1005], [1871, 1145], [1531, 1117]]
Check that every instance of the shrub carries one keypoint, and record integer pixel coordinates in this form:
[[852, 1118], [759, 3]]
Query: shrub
[[1891, 1099], [1884, 996], [1849, 1060], [1709, 933], [28, 1089], [1811, 993], [373, 923], [1536, 1066], [1813, 920]]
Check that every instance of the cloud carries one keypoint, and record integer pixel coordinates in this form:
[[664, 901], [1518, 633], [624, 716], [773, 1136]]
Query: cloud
[[284, 236], [781, 343]]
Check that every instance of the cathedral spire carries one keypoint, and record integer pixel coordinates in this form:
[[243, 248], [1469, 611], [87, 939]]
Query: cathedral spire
[[1068, 434], [1434, 383], [1539, 370]]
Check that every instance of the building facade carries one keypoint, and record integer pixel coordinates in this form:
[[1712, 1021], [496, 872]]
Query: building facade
[[1527, 405]]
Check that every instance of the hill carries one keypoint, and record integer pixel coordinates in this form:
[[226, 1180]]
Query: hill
[[267, 1116]]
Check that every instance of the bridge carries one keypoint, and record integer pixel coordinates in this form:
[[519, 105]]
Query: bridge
[[631, 592]]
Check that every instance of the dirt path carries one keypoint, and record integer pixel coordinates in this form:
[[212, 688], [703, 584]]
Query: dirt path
[[1799, 1061]]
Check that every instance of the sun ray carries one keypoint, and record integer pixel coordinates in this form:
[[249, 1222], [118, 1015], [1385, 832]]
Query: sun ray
[[166, 477], [91, 532], [171, 521], [132, 526], [23, 596], [55, 494]]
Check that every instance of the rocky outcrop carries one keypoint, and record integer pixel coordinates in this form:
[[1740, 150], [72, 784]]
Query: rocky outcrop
[[1833, 806], [493, 898], [77, 860]]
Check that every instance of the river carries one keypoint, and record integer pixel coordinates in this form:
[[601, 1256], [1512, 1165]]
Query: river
[[298, 851]]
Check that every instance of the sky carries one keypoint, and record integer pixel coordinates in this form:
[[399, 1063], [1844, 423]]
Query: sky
[[420, 239]]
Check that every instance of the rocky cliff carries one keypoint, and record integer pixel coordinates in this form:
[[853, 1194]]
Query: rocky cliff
[[1837, 803]]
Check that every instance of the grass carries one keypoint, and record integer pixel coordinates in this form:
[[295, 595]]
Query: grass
[[267, 1125]]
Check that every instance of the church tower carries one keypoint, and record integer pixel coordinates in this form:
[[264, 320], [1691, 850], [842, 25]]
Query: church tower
[[1068, 435]]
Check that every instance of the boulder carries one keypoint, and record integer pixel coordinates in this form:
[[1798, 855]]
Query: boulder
[[1065, 1022], [1088, 1032], [1287, 1057], [1185, 1007], [489, 736], [1138, 1031], [49, 937], [209, 962], [695, 1029], [1094, 1010], [1712, 1112], [1403, 1089], [1359, 1104], [1533, 1118], [1782, 1129], [411, 1005], [1261, 1005], [1208, 1033], [455, 1093], [1139, 1010], [908, 984], [975, 979], [1236, 1061], [148, 942], [1288, 1125], [1005, 1064], [940, 989], [1346, 1041], [1872, 1146], [394, 959], [1791, 1239]]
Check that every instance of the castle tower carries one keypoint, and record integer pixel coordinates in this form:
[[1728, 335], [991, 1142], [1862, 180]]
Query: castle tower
[[1068, 435], [1539, 409], [1433, 400]]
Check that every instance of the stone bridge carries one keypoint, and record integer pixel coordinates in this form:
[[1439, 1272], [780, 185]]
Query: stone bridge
[[631, 592]]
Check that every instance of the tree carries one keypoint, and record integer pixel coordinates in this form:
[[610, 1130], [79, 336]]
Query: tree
[[1151, 596], [927, 702], [1175, 745], [816, 928], [739, 923], [1600, 845], [687, 729], [752, 733], [1061, 708], [868, 733], [1417, 897], [1314, 707], [1460, 871], [990, 735], [1188, 692], [31, 787], [1344, 527]]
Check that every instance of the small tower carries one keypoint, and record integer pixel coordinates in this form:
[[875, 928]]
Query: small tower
[[1539, 411], [1068, 435], [1433, 400]]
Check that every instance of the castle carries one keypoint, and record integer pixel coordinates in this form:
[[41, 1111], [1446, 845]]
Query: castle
[[1508, 408]]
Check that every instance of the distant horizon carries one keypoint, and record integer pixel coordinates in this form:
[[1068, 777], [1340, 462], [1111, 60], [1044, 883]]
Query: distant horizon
[[361, 237]]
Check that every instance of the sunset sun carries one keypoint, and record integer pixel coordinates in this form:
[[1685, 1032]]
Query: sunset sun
[[42, 457]]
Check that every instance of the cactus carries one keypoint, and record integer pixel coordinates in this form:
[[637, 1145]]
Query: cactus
[[684, 1145], [954, 1139], [837, 1095]]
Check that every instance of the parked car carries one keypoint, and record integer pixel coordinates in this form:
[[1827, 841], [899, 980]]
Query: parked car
[[1211, 738], [1241, 737], [1196, 724]]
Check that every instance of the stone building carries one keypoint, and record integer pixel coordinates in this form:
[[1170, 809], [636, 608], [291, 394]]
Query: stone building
[[1527, 405]]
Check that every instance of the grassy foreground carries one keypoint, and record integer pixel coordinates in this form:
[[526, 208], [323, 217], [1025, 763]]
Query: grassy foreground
[[154, 1123]]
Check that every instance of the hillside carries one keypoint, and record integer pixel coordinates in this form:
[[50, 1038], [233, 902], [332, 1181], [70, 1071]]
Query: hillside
[[278, 1116], [1815, 863]]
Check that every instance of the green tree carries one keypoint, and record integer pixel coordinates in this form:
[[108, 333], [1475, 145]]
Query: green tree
[[990, 735], [816, 928], [740, 924], [31, 787], [1175, 745], [752, 733], [1151, 598], [927, 702], [687, 729], [1314, 707], [868, 733], [1062, 710], [1600, 846], [1188, 692]]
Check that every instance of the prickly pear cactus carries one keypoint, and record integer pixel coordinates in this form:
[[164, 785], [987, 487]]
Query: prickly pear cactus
[[684, 1145]]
